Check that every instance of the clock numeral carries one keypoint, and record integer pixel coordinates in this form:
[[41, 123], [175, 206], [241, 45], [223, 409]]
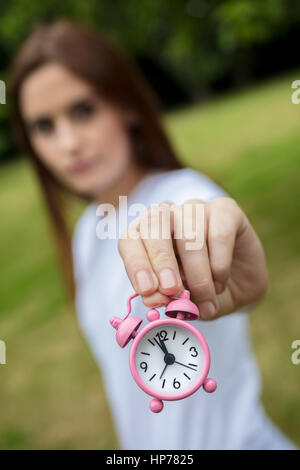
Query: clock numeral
[[176, 384], [163, 335], [194, 350], [144, 366]]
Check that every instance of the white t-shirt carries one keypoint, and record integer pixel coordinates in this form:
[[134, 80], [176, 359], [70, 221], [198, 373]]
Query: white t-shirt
[[231, 417]]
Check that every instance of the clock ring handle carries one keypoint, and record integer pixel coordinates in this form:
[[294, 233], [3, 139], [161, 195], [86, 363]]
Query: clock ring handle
[[185, 294], [129, 304]]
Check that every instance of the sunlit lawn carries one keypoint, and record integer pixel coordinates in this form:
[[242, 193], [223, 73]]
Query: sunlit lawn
[[51, 393]]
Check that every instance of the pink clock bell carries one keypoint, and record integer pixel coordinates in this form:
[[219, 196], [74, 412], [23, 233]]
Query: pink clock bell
[[169, 358]]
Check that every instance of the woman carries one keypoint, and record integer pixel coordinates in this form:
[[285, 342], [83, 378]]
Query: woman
[[90, 125]]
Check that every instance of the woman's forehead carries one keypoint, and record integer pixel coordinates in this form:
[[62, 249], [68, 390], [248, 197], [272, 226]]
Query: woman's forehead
[[51, 89]]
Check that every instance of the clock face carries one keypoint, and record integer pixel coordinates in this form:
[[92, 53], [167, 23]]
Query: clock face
[[169, 359]]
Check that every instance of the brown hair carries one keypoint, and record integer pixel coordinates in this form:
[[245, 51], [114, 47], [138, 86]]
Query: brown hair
[[94, 58]]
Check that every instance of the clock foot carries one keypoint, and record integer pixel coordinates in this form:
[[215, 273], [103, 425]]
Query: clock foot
[[156, 405], [210, 385]]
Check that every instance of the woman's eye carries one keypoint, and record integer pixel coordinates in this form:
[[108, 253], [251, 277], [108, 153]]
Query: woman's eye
[[44, 126], [83, 111]]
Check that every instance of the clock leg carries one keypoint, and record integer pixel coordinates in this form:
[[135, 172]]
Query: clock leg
[[156, 405], [209, 385]]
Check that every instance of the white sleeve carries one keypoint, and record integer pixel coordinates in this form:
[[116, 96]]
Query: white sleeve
[[187, 184]]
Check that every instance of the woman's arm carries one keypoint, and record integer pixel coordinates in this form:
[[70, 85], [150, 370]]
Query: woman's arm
[[225, 270]]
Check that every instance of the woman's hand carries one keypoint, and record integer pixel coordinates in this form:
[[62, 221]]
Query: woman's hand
[[227, 273]]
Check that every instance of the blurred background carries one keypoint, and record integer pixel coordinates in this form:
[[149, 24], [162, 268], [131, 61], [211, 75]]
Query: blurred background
[[223, 71]]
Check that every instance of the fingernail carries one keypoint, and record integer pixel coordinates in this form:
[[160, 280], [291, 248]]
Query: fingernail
[[218, 287], [167, 278], [207, 309], [144, 281]]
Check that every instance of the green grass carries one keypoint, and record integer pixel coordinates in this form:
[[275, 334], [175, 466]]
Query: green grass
[[51, 392]]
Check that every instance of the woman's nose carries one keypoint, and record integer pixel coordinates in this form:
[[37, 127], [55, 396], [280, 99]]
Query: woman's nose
[[68, 138]]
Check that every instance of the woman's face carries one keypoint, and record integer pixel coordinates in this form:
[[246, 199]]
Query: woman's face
[[78, 136]]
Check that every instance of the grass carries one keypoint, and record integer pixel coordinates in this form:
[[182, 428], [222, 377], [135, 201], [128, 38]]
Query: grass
[[51, 392]]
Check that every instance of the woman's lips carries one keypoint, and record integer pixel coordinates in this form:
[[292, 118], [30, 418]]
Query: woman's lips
[[82, 166]]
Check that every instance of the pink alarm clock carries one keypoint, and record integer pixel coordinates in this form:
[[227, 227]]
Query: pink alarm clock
[[169, 358]]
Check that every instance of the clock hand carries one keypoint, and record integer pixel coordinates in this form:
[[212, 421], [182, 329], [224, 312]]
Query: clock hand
[[185, 365], [158, 344], [163, 371], [162, 345]]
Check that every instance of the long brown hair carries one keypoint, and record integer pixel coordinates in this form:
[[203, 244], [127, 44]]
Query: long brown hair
[[97, 60]]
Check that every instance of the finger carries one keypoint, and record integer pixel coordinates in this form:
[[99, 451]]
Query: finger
[[156, 300], [156, 232], [196, 266], [136, 262], [139, 268], [223, 223], [199, 280]]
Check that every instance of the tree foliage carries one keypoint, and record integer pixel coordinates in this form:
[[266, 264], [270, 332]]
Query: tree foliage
[[198, 41]]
